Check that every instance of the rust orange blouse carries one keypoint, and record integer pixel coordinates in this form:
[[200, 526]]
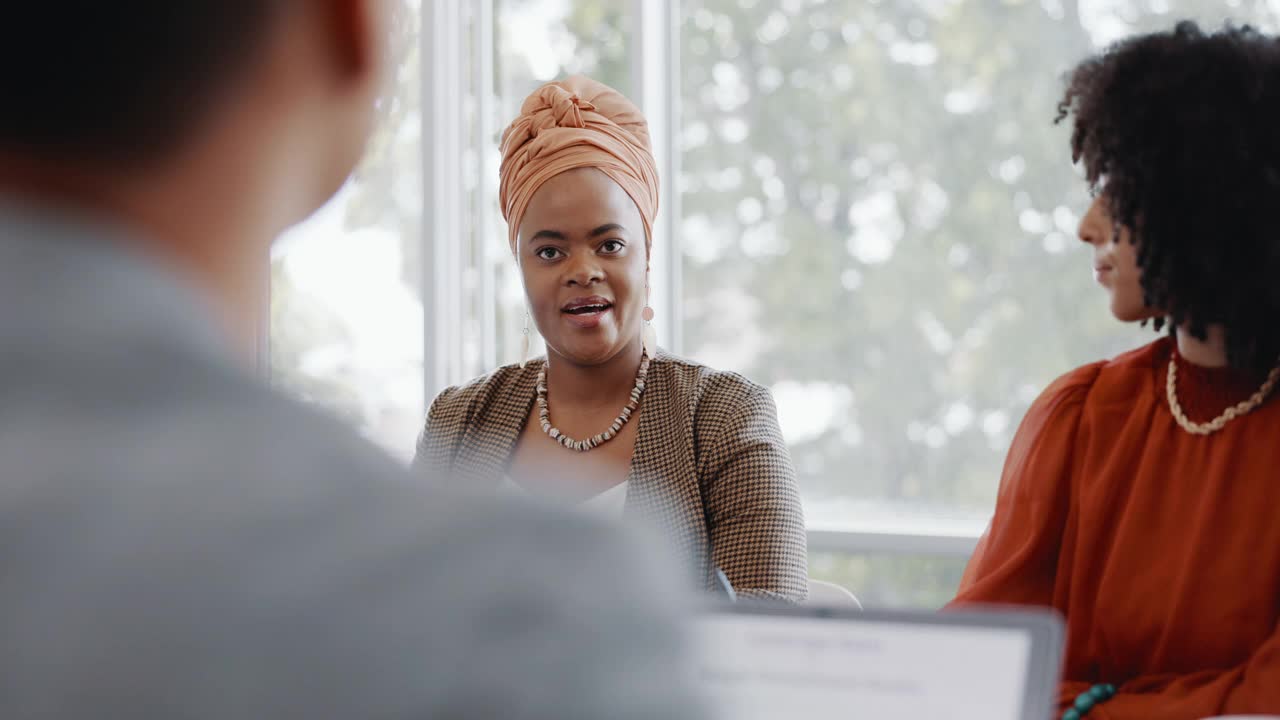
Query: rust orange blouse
[[1161, 549]]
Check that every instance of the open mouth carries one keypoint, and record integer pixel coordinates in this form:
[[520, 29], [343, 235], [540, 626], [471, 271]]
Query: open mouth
[[588, 306], [588, 309], [587, 313]]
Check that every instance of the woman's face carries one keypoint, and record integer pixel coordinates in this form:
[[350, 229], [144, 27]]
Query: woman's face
[[1115, 263], [582, 253]]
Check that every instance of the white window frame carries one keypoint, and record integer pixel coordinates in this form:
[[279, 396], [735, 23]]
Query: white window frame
[[456, 36]]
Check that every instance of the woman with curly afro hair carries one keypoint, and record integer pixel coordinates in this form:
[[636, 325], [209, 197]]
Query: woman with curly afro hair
[[1141, 496]]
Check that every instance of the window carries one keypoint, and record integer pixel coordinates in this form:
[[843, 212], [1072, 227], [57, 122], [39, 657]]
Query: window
[[346, 314], [866, 207]]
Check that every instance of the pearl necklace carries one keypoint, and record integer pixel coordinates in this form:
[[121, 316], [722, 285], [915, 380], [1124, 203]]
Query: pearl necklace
[[1231, 413], [544, 412]]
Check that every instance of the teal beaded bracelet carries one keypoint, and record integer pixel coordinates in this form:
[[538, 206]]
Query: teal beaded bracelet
[[1086, 701]]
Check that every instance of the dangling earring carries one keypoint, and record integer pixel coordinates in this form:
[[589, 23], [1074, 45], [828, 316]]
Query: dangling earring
[[524, 342], [649, 336]]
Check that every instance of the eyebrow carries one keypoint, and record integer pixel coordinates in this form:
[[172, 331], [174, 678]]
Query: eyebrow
[[549, 235], [607, 229], [557, 235]]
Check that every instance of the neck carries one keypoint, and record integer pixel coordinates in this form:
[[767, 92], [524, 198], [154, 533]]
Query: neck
[[593, 386], [187, 227], [1209, 352]]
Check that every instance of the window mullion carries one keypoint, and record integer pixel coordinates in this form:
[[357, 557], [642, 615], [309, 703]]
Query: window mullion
[[444, 202], [656, 89]]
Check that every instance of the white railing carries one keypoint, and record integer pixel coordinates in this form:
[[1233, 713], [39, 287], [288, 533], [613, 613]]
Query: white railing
[[890, 543]]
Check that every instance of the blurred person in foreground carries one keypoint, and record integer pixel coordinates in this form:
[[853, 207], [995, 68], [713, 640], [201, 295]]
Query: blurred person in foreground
[[1139, 498], [178, 540], [607, 421]]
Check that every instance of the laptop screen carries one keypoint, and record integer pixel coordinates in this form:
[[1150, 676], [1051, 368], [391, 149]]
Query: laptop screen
[[783, 665]]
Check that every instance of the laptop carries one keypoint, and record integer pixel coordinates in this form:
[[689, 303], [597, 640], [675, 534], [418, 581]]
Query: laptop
[[766, 661]]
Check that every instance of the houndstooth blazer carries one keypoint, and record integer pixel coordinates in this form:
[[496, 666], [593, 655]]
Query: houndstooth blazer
[[710, 467]]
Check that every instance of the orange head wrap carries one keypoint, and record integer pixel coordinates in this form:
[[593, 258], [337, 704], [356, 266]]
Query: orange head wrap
[[576, 123]]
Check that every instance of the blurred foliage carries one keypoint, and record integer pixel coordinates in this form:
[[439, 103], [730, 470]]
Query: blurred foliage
[[891, 581], [875, 197]]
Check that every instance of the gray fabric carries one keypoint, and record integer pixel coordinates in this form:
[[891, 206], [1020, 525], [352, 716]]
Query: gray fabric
[[178, 541]]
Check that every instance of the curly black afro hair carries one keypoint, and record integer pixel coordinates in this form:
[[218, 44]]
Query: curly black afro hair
[[1180, 132]]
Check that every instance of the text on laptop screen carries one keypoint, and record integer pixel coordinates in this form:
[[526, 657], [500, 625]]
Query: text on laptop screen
[[763, 666]]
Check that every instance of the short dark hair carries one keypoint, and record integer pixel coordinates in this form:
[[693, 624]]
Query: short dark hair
[[1180, 132], [119, 82]]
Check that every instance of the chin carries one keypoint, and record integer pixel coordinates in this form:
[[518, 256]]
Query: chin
[[1127, 314], [587, 353]]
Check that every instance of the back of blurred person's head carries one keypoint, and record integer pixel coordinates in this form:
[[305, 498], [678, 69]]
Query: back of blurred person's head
[[211, 123]]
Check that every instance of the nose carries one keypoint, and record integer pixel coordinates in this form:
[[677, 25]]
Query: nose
[[583, 270], [1095, 227]]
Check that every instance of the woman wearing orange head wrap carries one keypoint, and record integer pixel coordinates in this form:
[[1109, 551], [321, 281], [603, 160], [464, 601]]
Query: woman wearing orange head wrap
[[607, 420]]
